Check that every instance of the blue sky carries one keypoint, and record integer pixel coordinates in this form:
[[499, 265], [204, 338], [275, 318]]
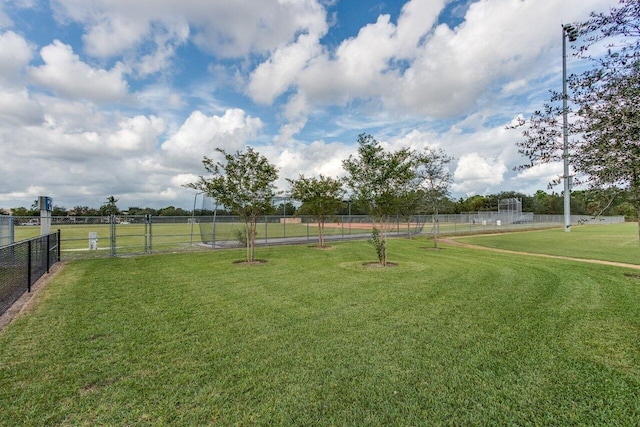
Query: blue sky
[[124, 98]]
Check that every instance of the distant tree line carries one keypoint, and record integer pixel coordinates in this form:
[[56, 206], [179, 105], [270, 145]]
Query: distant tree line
[[583, 202]]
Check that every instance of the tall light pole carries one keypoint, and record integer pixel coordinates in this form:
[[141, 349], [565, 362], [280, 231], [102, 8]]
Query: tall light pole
[[570, 32]]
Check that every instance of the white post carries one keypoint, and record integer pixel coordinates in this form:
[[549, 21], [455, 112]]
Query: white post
[[46, 206]]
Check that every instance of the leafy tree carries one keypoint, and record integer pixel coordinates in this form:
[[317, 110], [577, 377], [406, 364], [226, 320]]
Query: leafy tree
[[378, 178], [22, 211], [608, 97], [59, 211], [173, 211], [83, 211], [287, 208], [244, 184], [134, 210], [472, 204], [605, 148], [321, 197], [434, 178], [411, 204], [627, 209], [109, 207]]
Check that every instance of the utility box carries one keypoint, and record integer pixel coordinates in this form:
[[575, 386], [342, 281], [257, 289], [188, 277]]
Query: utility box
[[93, 240]]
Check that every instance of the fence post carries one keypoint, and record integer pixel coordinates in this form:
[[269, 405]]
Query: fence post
[[29, 266], [112, 223], [59, 241], [48, 250], [148, 223]]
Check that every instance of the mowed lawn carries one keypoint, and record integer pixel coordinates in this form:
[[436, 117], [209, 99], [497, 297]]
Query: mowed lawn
[[456, 336], [616, 242]]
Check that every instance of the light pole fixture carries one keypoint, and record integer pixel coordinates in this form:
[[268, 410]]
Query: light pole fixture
[[570, 32]]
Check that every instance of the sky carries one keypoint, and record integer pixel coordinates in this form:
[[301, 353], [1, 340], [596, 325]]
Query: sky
[[124, 98]]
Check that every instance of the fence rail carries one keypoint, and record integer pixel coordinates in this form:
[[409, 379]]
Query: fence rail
[[90, 237], [23, 263]]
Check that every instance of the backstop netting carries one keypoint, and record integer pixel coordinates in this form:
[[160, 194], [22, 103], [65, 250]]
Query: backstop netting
[[509, 212], [217, 228]]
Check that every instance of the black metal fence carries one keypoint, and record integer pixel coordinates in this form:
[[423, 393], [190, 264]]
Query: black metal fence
[[23, 263]]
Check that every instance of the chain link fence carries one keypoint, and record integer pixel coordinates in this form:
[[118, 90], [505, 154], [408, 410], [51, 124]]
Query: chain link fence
[[6, 230], [23, 263], [128, 235]]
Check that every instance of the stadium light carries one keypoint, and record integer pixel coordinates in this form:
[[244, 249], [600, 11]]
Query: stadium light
[[570, 32]]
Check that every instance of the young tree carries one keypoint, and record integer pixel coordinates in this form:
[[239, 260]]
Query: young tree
[[378, 178], [605, 148], [321, 197], [244, 184], [434, 178]]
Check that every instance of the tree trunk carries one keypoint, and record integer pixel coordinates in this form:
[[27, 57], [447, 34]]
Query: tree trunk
[[247, 236], [253, 241], [436, 230], [383, 236], [321, 233]]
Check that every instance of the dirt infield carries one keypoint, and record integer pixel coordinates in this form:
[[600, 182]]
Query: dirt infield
[[356, 225], [367, 225]]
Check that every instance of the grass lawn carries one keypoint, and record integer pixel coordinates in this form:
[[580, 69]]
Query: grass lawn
[[616, 242], [131, 238], [312, 337]]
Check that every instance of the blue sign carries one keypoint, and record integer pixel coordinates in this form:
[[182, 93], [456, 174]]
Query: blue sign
[[46, 203]]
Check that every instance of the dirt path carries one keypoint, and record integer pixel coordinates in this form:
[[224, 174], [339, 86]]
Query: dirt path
[[453, 242]]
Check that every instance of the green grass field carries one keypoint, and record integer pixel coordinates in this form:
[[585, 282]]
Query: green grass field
[[134, 238], [456, 336], [616, 242]]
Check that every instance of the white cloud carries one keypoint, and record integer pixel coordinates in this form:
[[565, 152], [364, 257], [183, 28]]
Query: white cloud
[[113, 35], [413, 67], [200, 134], [545, 172], [137, 134], [273, 77], [15, 55], [183, 179], [318, 157], [296, 112], [64, 73], [228, 29], [17, 108], [476, 174]]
